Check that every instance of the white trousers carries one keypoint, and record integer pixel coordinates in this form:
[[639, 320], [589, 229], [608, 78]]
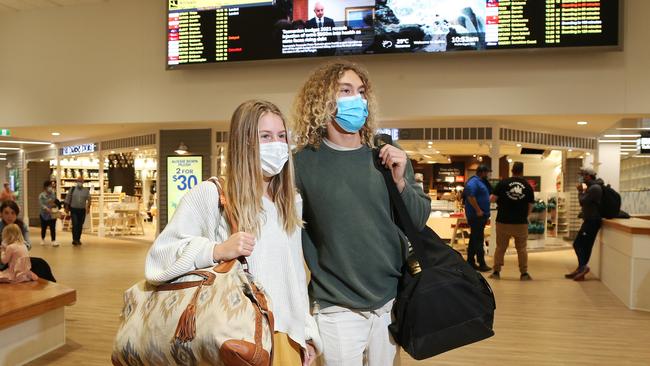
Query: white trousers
[[357, 338]]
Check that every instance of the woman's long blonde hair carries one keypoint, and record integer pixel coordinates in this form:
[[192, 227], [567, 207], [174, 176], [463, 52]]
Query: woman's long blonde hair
[[244, 183], [315, 104], [12, 234]]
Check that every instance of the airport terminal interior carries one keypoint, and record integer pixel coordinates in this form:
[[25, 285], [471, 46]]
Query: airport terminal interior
[[134, 98]]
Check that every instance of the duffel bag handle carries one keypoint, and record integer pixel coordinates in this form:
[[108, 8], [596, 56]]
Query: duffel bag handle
[[208, 279]]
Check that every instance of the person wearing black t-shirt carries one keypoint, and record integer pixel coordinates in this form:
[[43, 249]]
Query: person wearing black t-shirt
[[514, 197]]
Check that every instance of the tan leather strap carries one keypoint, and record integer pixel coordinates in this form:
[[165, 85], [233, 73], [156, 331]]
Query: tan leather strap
[[262, 308], [260, 303], [225, 266], [208, 279]]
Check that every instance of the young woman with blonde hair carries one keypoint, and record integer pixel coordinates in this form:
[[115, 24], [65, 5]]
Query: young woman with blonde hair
[[262, 198], [352, 246]]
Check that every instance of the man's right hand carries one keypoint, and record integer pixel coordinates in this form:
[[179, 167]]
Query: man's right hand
[[479, 213], [239, 244]]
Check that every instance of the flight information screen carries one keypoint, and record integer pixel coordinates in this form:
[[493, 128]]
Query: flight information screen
[[208, 31]]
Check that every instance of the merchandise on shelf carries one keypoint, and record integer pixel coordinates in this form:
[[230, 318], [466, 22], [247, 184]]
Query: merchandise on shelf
[[537, 220]]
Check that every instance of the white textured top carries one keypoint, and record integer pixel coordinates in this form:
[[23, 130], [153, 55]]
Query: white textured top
[[277, 262]]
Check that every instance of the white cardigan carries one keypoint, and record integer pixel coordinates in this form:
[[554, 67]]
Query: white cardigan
[[197, 226]]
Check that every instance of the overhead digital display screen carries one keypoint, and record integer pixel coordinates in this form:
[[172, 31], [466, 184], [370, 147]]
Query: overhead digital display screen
[[208, 31]]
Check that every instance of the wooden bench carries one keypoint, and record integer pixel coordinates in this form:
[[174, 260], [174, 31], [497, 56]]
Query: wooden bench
[[32, 319]]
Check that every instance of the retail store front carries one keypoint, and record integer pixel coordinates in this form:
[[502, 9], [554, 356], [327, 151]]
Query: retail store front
[[445, 163], [122, 177]]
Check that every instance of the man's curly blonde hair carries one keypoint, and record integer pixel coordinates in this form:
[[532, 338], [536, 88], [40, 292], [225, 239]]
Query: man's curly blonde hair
[[315, 104]]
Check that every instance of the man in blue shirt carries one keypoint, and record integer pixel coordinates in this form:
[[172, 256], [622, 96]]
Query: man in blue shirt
[[477, 211]]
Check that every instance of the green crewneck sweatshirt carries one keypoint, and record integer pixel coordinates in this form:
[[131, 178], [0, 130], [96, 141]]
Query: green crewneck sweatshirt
[[350, 243]]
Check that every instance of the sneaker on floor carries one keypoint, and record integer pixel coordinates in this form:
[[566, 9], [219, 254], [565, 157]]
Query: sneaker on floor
[[484, 268], [525, 277], [42, 241], [55, 244], [495, 276], [580, 276], [75, 243], [572, 274]]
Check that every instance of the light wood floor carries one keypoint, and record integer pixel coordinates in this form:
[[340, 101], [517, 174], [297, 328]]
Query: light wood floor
[[548, 321]]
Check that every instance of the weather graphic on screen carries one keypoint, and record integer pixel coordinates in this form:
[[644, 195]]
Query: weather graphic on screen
[[208, 31]]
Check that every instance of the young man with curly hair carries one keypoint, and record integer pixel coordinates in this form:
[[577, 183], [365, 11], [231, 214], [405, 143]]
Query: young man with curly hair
[[350, 243]]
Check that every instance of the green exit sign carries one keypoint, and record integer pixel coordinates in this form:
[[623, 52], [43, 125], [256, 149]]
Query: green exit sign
[[5, 132]]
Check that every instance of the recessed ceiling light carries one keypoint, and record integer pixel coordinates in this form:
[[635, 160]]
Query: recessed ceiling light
[[136, 149], [518, 145], [56, 134], [25, 142], [624, 136], [437, 151], [618, 141], [112, 151], [588, 154], [509, 160], [582, 123], [570, 150]]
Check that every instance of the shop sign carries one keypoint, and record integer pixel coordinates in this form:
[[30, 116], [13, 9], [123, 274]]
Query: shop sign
[[78, 149], [448, 172], [644, 145], [392, 132], [4, 132], [183, 174]]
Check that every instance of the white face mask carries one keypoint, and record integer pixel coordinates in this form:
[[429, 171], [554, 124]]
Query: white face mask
[[273, 156]]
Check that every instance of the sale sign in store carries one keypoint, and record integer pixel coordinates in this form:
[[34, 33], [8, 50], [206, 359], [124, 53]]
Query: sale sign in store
[[183, 174]]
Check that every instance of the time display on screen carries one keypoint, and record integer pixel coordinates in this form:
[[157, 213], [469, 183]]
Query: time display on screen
[[209, 31]]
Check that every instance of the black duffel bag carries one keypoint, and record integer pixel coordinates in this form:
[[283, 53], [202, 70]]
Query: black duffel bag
[[442, 303]]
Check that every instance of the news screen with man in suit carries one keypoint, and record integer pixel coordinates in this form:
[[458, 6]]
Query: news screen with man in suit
[[216, 31]]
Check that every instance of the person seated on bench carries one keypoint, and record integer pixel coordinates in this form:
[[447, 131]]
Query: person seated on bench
[[13, 253], [9, 212]]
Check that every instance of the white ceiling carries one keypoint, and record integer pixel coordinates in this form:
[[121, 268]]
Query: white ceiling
[[440, 151], [557, 124], [25, 5]]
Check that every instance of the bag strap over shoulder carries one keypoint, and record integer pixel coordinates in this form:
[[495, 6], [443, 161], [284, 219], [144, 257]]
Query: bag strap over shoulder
[[225, 266], [403, 219], [261, 304]]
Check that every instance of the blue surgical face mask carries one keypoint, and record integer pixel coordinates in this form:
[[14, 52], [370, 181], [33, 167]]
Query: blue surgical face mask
[[351, 113]]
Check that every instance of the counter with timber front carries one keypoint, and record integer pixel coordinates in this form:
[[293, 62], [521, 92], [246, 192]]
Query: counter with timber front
[[621, 259], [32, 321]]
